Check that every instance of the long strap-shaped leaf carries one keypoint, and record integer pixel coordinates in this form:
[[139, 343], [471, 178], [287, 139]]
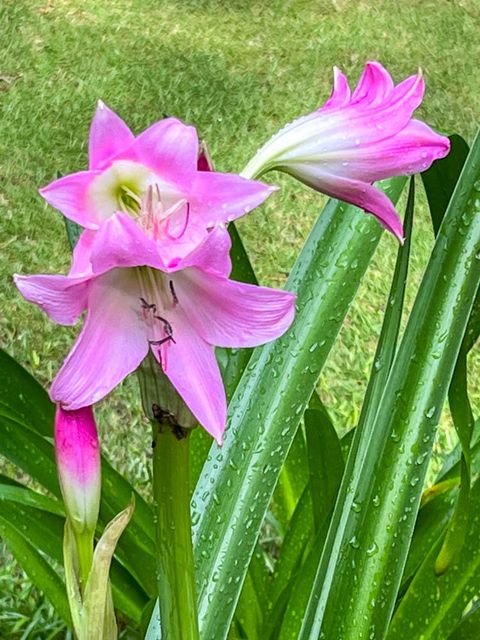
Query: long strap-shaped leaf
[[327, 545], [387, 483], [238, 480], [37, 568]]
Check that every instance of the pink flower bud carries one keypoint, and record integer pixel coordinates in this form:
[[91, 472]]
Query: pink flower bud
[[78, 462]]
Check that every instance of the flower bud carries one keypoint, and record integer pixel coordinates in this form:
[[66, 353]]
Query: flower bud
[[78, 462]]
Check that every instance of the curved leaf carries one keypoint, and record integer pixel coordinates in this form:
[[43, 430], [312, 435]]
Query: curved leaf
[[388, 483]]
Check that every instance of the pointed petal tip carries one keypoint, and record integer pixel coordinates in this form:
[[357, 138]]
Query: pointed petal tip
[[219, 439]]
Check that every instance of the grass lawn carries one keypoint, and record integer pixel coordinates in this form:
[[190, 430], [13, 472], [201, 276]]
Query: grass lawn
[[238, 70]]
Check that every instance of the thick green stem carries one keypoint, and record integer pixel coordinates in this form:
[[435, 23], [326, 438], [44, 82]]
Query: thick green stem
[[176, 579], [84, 543]]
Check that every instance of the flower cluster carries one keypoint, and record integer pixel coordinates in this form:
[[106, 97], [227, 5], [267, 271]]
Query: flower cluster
[[152, 268]]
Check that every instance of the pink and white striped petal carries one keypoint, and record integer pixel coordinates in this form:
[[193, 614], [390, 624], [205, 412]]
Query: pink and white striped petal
[[112, 344], [70, 195], [169, 148], [109, 135], [223, 197], [62, 298], [192, 368], [233, 314]]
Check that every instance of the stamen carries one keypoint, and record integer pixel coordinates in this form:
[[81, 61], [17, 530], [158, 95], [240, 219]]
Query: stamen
[[146, 305], [187, 218], [129, 201], [167, 327], [172, 290], [162, 341]]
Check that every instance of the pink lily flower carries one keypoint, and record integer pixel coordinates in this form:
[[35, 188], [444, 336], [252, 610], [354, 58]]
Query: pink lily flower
[[356, 139], [161, 164], [139, 297], [78, 463]]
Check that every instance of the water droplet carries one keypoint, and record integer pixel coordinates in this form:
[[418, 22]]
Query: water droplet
[[354, 543], [372, 549], [429, 413], [356, 506]]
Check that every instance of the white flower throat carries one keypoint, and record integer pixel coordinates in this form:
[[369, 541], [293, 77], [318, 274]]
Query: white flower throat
[[134, 189]]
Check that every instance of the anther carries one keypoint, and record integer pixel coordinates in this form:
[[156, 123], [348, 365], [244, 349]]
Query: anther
[[172, 291], [148, 306]]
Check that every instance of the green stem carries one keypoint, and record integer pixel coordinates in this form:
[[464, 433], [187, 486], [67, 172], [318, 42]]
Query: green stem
[[84, 543], [175, 572]]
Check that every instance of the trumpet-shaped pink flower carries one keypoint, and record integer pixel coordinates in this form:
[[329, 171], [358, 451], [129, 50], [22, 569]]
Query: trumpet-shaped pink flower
[[161, 164], [78, 463], [138, 297], [355, 139]]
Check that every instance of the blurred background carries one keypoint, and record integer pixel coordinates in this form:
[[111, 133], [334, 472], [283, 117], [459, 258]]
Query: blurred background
[[237, 70]]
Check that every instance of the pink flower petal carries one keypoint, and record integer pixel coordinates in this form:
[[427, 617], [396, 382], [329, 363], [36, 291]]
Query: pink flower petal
[[109, 135], [191, 367], [341, 94], [410, 151], [81, 258], [170, 149], [112, 344], [70, 196], [62, 298], [222, 197], [233, 314], [121, 242], [366, 197], [211, 256], [374, 87]]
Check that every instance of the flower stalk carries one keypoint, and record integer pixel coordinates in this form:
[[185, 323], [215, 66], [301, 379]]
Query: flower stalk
[[175, 570]]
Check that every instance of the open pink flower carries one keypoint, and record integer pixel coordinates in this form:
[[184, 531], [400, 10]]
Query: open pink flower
[[355, 139], [138, 298], [78, 463], [161, 164]]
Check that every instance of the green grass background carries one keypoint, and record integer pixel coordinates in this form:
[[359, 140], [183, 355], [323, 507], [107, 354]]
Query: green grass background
[[238, 70]]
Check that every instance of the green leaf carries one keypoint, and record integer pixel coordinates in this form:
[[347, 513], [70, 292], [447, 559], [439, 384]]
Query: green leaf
[[30, 452], [440, 179], [26, 433], [44, 531], [237, 482], [242, 269], [74, 231], [435, 604], [431, 524], [249, 612], [382, 362], [292, 481], [389, 474], [469, 626], [23, 399], [97, 591], [30, 498], [35, 565], [301, 588], [325, 460], [297, 537]]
